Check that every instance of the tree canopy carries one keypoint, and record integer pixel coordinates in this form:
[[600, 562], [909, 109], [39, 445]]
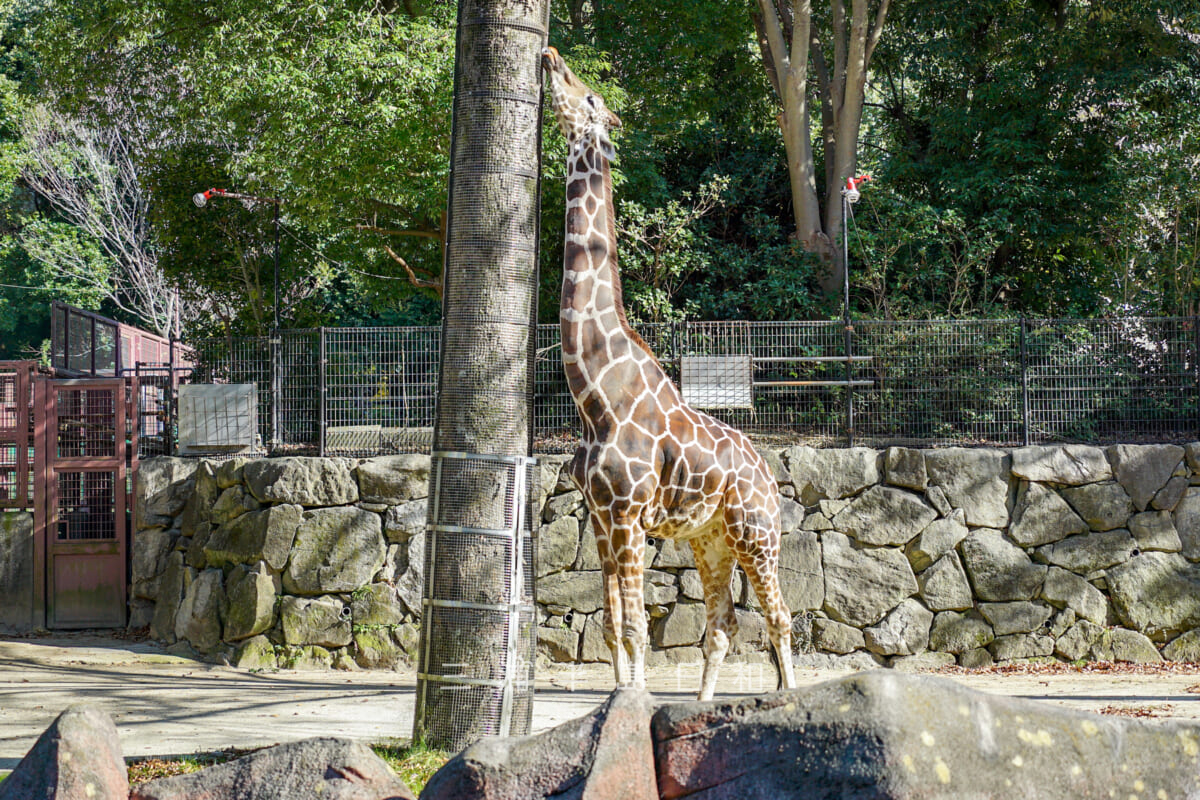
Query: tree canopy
[[1034, 157]]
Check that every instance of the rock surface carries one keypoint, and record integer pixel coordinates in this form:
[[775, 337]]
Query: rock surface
[[1143, 469], [1067, 465], [1042, 517], [1103, 506], [939, 537], [863, 585], [975, 480], [78, 757], [326, 768], [1065, 589], [999, 570], [265, 535], [393, 479], [831, 473], [250, 597], [884, 734], [202, 611], [903, 632], [604, 755], [944, 586], [336, 550], [302, 481], [1157, 593], [883, 515], [801, 577]]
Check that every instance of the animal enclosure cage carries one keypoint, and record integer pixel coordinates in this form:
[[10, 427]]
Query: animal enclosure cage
[[372, 391]]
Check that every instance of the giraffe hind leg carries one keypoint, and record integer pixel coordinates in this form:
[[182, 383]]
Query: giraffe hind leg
[[778, 620], [759, 557]]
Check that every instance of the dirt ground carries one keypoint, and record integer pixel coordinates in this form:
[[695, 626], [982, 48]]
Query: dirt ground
[[166, 705]]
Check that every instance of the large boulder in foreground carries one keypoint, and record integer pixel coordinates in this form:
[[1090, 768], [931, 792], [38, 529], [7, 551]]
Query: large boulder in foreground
[[326, 768], [78, 756], [601, 756], [884, 734]]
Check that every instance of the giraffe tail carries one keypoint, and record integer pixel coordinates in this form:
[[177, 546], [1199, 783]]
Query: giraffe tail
[[778, 667]]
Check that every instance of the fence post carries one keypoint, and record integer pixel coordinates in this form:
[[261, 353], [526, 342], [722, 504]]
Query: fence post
[[1196, 365], [847, 335], [1024, 385], [322, 387], [276, 342], [169, 400]]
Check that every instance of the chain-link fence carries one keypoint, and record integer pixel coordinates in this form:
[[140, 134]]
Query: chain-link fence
[[371, 391]]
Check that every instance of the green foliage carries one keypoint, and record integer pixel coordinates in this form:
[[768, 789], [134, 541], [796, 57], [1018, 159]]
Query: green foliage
[[1029, 157], [1040, 127], [340, 111], [414, 763], [27, 286]]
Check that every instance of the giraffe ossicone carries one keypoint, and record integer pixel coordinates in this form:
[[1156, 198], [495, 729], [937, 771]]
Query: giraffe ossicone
[[649, 464]]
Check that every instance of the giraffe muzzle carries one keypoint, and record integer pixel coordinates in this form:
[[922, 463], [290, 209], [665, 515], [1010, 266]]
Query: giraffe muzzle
[[551, 60]]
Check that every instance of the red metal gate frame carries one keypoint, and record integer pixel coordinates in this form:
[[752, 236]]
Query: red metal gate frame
[[49, 463], [18, 435]]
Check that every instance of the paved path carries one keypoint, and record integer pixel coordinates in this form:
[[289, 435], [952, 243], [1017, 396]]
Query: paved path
[[165, 705]]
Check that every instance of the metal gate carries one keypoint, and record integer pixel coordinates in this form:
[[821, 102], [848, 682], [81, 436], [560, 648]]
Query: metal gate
[[85, 446], [16, 430]]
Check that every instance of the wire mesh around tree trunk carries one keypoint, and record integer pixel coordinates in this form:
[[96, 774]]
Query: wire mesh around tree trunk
[[479, 569]]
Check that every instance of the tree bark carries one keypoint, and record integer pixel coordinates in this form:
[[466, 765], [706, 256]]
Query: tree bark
[[488, 339], [789, 43]]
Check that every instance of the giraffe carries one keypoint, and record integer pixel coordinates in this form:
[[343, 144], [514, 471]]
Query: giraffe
[[649, 464]]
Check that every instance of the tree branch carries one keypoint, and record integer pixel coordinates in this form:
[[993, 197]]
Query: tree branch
[[877, 29], [420, 283], [392, 232]]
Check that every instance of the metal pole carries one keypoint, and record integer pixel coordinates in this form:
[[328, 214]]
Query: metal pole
[[322, 389], [276, 342], [169, 402], [1024, 385], [847, 329], [276, 316], [1196, 366]]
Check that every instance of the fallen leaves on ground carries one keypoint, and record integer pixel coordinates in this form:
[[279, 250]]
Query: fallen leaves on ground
[[1137, 711], [414, 765], [151, 769], [1081, 668]]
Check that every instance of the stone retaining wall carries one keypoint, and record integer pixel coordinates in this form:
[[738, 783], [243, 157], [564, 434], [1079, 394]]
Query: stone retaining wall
[[16, 572], [918, 557]]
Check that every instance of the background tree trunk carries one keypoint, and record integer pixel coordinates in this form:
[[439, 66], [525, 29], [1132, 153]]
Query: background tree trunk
[[790, 45]]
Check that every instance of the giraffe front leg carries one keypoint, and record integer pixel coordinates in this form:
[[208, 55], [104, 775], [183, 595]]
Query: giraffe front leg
[[714, 562], [612, 602], [634, 628], [628, 544]]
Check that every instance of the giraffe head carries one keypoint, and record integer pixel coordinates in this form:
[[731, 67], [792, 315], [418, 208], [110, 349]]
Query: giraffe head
[[582, 116]]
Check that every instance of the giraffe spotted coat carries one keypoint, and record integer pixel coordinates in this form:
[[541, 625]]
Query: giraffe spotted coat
[[649, 464]]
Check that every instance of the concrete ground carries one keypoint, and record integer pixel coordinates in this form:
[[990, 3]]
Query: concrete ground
[[166, 705]]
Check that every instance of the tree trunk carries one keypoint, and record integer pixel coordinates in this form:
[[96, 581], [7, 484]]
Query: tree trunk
[[488, 343], [788, 43]]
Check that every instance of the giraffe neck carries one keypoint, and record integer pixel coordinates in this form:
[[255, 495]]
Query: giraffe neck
[[591, 285], [592, 313]]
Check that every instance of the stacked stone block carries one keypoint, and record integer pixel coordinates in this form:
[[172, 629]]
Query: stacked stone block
[[294, 562], [900, 556]]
